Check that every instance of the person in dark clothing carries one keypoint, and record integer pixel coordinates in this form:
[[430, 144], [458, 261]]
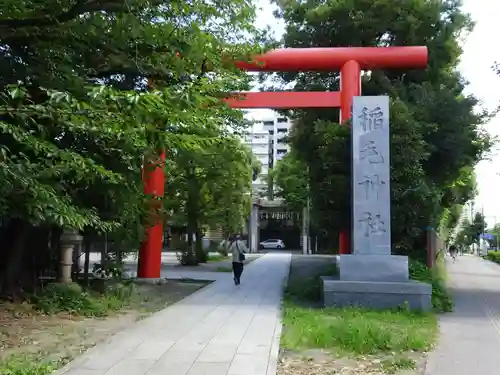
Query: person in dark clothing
[[453, 252], [238, 250]]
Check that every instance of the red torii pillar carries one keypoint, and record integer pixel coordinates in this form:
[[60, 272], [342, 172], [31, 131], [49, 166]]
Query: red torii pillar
[[350, 61]]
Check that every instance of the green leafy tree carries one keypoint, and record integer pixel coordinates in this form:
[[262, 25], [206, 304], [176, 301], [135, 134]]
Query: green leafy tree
[[211, 187], [470, 232], [77, 117], [436, 133], [291, 179]]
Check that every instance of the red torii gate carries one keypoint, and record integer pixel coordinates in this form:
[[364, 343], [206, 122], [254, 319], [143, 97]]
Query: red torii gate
[[350, 61]]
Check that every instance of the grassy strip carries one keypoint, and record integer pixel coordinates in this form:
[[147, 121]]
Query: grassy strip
[[224, 269], [29, 366], [359, 331], [355, 330], [72, 299], [441, 299], [493, 256], [216, 258]]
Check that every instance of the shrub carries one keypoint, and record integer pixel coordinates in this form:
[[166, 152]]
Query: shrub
[[441, 299], [494, 256], [110, 270], [26, 366], [308, 289], [72, 299], [185, 254], [64, 297]]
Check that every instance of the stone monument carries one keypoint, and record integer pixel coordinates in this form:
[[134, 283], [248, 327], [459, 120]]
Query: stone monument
[[371, 276]]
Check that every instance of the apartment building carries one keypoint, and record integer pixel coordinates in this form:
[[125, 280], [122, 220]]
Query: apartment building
[[258, 141], [269, 145], [278, 128]]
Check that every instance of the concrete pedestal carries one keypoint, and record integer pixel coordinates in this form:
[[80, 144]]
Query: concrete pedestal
[[376, 294], [375, 281], [365, 267]]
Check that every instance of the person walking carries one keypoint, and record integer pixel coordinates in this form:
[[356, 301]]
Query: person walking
[[238, 250], [453, 252]]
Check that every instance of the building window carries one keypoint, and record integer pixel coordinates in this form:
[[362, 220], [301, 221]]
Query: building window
[[282, 120], [268, 123], [271, 132], [281, 152], [282, 130]]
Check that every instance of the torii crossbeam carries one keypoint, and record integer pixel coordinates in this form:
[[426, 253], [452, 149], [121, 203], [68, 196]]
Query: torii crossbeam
[[350, 61]]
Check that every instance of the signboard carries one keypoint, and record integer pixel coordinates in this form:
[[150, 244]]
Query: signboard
[[273, 215], [371, 175], [487, 236]]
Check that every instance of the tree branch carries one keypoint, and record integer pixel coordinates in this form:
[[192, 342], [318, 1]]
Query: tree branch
[[80, 7]]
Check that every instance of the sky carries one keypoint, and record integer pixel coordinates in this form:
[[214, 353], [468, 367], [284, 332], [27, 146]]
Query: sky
[[481, 50]]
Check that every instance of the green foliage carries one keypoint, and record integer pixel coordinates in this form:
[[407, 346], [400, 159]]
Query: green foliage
[[494, 256], [185, 254], [300, 290], [441, 299], [357, 331], [72, 299], [26, 366], [354, 330], [469, 232], [291, 177], [436, 132], [224, 269], [449, 220], [89, 91], [211, 187]]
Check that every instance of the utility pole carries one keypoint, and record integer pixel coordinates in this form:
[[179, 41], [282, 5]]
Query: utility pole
[[484, 228], [250, 217], [306, 221], [305, 228]]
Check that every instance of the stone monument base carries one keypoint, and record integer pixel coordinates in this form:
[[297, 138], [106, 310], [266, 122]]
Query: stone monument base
[[376, 294], [370, 267]]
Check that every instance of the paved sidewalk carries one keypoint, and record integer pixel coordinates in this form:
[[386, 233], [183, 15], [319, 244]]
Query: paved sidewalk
[[470, 336], [220, 330]]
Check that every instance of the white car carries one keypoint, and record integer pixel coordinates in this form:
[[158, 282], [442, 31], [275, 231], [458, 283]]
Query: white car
[[272, 244]]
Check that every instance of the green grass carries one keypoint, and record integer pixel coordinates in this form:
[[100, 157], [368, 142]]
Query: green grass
[[493, 256], [29, 366], [306, 290], [216, 258], [441, 299], [360, 331], [72, 299], [224, 269], [391, 366]]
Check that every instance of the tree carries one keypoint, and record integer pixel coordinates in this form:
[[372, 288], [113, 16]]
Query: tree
[[291, 179], [470, 232], [77, 119], [210, 187], [436, 134]]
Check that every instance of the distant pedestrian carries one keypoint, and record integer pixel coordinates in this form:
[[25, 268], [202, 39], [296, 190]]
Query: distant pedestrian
[[238, 250], [453, 252]]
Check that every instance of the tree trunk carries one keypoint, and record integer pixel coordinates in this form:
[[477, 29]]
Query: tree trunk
[[14, 254], [86, 266], [201, 256], [192, 212]]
